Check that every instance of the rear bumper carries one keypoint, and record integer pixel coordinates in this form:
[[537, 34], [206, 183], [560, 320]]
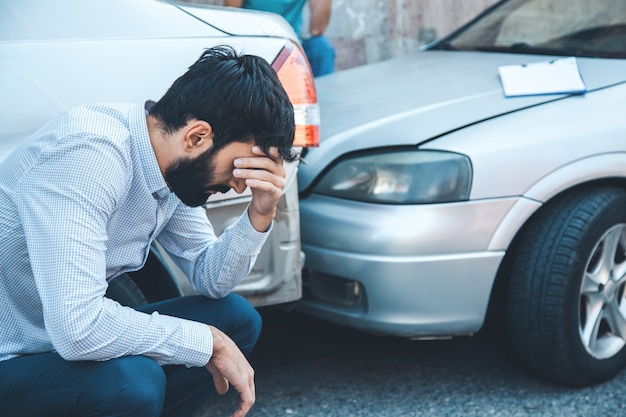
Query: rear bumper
[[276, 276]]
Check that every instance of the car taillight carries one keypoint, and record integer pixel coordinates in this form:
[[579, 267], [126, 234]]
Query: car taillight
[[295, 74]]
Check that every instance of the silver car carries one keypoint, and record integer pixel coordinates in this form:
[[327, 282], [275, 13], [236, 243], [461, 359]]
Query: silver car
[[434, 197], [57, 54]]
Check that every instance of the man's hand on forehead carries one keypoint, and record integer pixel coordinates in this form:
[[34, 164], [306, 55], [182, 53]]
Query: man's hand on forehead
[[265, 175]]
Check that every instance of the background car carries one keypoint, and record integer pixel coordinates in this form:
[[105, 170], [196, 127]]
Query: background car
[[57, 54], [433, 197]]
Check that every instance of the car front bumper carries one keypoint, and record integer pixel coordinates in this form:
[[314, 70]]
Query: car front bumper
[[410, 271]]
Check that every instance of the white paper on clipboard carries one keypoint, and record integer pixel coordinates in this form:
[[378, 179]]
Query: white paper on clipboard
[[558, 76]]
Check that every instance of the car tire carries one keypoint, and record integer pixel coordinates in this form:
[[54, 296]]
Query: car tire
[[566, 300], [125, 291]]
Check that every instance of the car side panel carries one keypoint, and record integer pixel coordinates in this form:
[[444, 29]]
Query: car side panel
[[52, 76]]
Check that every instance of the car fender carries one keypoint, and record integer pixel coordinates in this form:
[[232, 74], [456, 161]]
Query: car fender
[[595, 168]]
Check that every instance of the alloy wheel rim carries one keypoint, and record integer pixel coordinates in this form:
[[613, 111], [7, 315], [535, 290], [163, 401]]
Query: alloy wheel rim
[[602, 307]]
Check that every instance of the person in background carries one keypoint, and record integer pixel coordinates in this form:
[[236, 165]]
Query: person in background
[[81, 201], [318, 48]]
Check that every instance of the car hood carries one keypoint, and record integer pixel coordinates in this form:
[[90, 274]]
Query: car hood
[[417, 98]]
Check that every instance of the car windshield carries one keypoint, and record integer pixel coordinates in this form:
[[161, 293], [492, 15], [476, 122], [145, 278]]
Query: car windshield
[[584, 28]]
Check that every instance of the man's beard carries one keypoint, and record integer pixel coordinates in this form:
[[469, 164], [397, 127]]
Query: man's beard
[[191, 179]]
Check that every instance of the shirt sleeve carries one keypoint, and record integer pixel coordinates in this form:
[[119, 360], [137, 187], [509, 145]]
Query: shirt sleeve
[[65, 203], [214, 265]]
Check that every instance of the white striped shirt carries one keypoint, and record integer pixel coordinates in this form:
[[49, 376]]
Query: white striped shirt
[[81, 200]]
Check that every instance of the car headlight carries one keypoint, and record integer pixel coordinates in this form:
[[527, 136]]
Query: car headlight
[[400, 177]]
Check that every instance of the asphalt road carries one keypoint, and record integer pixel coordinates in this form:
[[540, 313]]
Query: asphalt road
[[309, 368]]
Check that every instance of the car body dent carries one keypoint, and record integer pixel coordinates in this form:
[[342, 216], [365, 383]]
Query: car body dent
[[276, 276]]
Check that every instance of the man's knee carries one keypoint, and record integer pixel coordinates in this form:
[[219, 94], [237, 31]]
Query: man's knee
[[247, 328], [233, 314], [137, 387]]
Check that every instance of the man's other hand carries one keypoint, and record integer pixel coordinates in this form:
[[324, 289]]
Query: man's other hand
[[228, 365]]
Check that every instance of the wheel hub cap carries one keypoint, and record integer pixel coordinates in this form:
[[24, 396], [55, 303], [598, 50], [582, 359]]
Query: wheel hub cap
[[609, 291]]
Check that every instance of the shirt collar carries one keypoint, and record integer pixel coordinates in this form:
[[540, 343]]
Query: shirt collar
[[139, 130]]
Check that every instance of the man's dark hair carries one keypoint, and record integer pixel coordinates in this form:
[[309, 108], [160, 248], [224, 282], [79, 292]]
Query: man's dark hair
[[240, 96]]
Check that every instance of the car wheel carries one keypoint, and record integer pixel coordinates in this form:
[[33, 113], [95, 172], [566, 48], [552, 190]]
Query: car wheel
[[566, 301]]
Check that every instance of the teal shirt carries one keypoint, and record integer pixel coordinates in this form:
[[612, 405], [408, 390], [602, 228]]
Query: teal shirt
[[291, 10]]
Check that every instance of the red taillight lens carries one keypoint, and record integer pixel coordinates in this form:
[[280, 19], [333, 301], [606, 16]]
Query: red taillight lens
[[296, 76]]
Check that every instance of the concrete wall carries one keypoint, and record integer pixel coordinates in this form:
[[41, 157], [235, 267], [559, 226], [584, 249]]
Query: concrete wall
[[366, 31]]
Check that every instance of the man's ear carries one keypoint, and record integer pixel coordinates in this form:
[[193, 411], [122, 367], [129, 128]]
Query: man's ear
[[198, 137]]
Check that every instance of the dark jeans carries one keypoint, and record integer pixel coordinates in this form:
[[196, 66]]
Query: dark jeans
[[320, 52], [44, 384]]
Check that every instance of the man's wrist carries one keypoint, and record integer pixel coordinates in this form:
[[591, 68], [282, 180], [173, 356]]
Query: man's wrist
[[261, 223]]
